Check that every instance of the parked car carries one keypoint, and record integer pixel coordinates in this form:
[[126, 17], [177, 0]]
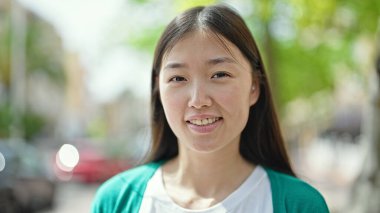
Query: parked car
[[26, 181], [86, 162]]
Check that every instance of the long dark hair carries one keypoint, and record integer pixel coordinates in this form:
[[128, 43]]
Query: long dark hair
[[261, 140]]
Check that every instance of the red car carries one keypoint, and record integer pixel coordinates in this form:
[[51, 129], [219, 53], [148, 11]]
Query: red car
[[87, 163]]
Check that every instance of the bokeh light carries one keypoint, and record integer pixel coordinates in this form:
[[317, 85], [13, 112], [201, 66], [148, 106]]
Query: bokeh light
[[67, 157], [2, 162]]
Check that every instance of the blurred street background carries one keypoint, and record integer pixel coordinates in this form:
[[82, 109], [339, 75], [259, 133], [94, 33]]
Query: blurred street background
[[74, 94]]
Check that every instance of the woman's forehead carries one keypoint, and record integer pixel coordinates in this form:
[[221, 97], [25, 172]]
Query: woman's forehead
[[204, 41]]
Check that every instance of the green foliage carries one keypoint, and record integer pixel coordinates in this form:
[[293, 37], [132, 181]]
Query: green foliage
[[323, 35], [367, 15], [146, 41], [313, 12], [5, 63], [97, 128], [181, 5], [43, 51], [302, 72], [264, 10], [31, 123], [5, 119]]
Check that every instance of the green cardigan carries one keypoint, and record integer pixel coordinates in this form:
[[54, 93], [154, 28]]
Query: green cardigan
[[124, 192]]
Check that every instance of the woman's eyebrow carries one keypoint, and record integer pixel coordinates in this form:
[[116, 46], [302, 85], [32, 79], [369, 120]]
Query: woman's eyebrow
[[220, 60], [174, 65], [212, 62]]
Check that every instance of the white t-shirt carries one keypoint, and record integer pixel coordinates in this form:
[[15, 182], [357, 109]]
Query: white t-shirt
[[253, 195]]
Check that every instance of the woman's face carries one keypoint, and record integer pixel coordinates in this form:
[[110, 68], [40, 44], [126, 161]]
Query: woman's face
[[206, 91]]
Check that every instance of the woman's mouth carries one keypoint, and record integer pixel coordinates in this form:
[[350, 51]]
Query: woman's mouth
[[204, 122]]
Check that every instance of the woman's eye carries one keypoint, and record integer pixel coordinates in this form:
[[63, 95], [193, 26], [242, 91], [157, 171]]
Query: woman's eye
[[177, 79], [221, 75]]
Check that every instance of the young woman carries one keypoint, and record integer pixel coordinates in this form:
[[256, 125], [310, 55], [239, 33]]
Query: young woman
[[217, 145]]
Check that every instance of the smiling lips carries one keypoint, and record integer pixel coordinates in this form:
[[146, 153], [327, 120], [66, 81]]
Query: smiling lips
[[205, 125], [204, 122]]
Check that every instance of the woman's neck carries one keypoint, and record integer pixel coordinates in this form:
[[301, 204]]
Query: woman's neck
[[204, 175]]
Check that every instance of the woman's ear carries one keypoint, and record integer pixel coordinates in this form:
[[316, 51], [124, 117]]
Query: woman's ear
[[254, 93]]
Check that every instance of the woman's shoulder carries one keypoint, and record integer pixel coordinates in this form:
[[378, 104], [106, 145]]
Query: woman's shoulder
[[124, 189], [295, 194], [132, 176], [288, 183]]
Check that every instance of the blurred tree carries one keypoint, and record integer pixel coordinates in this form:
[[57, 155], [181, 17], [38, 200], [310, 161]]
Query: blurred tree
[[42, 56], [5, 45], [304, 41], [5, 119], [44, 51], [365, 194], [31, 123]]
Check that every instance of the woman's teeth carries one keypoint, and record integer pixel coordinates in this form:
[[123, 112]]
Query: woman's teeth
[[203, 122]]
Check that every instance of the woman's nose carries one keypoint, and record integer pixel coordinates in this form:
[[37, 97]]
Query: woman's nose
[[199, 96]]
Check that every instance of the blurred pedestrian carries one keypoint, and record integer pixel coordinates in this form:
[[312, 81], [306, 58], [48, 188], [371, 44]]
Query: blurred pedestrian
[[217, 145]]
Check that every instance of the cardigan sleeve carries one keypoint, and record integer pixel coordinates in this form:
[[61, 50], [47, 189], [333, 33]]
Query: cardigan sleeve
[[291, 194], [106, 196]]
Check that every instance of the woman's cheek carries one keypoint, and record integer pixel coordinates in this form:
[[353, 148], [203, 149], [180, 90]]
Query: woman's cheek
[[172, 100], [229, 95]]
